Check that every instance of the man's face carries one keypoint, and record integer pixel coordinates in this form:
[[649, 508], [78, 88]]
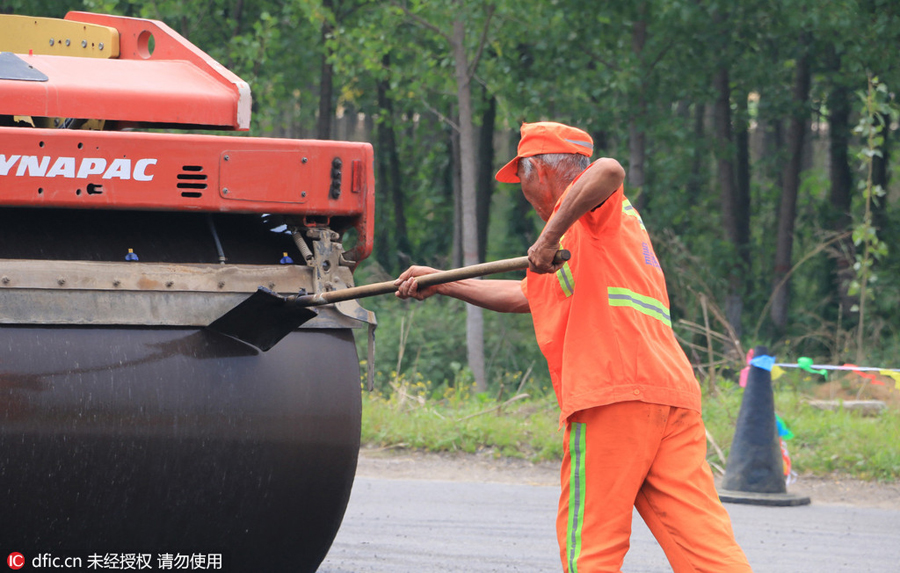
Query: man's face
[[536, 190]]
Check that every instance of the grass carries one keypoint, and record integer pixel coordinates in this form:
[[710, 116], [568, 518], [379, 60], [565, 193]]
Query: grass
[[844, 442], [462, 422], [415, 416]]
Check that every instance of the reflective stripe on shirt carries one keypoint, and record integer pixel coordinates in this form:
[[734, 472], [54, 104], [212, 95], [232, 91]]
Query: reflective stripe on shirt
[[566, 279], [623, 297]]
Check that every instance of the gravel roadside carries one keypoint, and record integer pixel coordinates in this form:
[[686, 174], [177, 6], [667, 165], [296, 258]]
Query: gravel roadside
[[405, 464]]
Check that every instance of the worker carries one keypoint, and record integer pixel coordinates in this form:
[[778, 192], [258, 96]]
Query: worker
[[629, 401]]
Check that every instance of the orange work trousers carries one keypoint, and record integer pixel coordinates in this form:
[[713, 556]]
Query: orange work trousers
[[648, 456]]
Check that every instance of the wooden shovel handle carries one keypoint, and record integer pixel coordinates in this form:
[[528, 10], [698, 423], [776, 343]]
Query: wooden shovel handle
[[438, 278]]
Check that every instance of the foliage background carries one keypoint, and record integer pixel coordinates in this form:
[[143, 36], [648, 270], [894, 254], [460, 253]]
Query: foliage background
[[734, 120]]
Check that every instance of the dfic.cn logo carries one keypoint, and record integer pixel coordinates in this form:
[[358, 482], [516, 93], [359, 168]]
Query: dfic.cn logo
[[15, 561]]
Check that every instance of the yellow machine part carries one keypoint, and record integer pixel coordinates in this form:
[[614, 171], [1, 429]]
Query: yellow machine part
[[57, 122], [56, 37]]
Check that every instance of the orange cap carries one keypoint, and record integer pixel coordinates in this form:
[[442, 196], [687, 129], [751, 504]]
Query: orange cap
[[546, 137]]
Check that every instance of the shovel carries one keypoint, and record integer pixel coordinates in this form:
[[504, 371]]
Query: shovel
[[266, 317]]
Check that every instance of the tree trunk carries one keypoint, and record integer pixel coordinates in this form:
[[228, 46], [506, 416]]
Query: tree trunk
[[636, 150], [237, 16], [731, 199], [382, 249], [790, 185], [697, 181], [841, 193], [467, 144], [485, 173], [725, 148], [742, 202], [326, 87], [636, 135], [742, 148], [521, 222], [456, 182], [601, 142], [391, 176]]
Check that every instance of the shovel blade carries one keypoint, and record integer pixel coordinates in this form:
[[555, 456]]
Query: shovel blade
[[263, 319]]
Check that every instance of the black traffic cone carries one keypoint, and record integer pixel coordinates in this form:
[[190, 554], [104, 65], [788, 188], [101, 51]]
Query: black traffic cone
[[754, 472]]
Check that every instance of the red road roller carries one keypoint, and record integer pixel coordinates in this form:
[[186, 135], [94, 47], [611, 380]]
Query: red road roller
[[131, 433]]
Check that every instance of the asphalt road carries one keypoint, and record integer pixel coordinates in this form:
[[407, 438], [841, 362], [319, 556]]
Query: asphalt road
[[418, 526]]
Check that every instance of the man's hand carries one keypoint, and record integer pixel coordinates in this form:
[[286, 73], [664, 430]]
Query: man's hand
[[408, 287], [540, 258]]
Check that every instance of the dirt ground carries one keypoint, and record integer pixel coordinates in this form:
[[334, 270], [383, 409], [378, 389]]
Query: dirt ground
[[402, 464], [854, 387]]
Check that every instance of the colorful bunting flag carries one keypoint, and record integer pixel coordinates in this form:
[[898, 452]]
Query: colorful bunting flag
[[764, 362], [806, 364]]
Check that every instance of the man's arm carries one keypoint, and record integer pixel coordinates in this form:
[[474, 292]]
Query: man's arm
[[595, 185], [496, 295]]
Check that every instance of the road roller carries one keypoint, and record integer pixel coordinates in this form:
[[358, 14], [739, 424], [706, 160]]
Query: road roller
[[132, 434]]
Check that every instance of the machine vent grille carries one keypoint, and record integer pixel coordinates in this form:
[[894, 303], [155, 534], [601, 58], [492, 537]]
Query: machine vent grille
[[192, 177]]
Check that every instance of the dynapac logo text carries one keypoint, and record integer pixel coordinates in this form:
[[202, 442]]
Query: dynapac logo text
[[74, 168]]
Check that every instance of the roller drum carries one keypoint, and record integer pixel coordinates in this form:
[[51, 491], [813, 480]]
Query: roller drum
[[176, 440]]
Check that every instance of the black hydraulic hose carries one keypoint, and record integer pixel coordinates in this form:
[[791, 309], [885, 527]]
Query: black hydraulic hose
[[215, 234]]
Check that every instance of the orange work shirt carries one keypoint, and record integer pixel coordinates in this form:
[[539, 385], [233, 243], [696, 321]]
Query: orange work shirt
[[603, 321]]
